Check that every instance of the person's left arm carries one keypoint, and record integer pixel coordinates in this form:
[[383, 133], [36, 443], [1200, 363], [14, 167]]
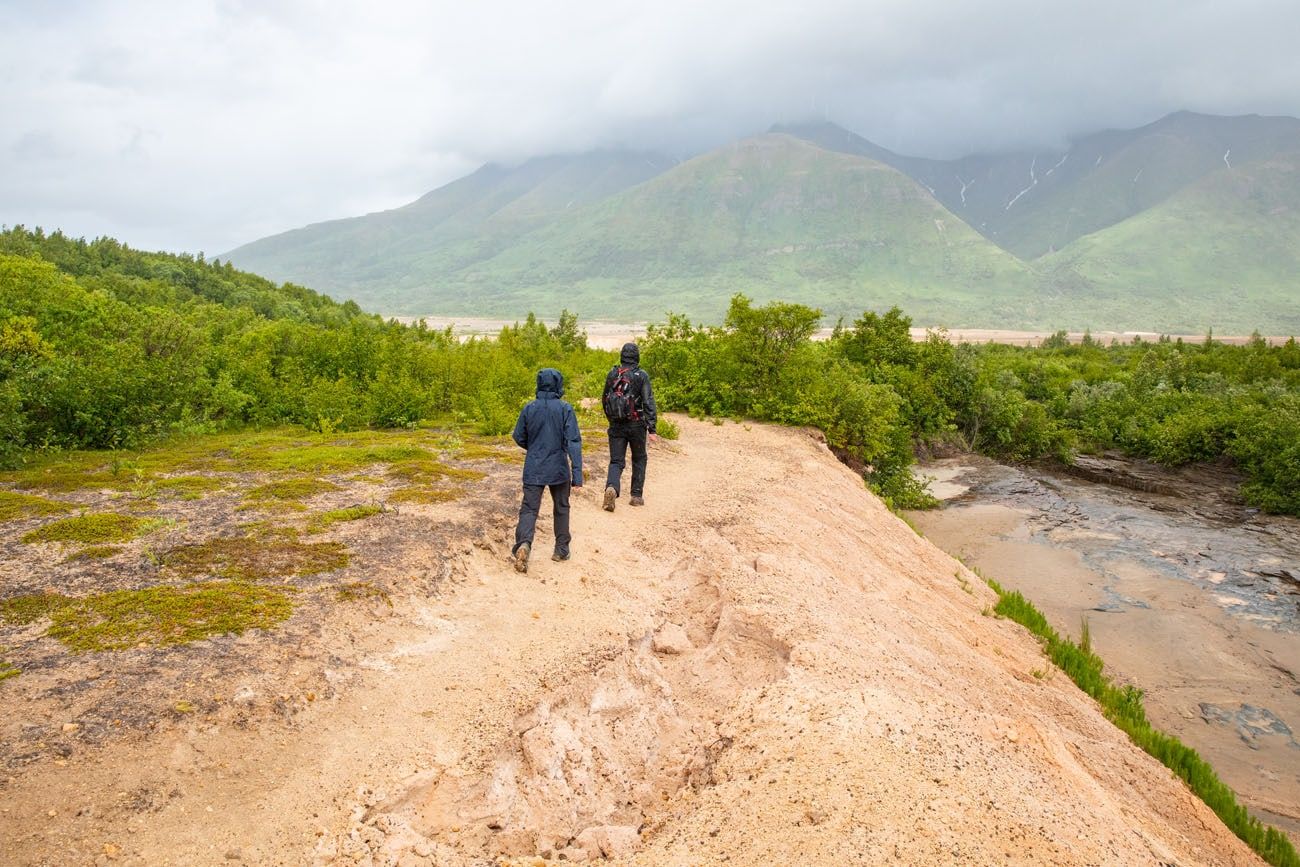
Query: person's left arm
[[573, 443]]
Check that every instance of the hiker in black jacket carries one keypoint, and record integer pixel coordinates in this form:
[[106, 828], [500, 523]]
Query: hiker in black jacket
[[548, 429], [629, 404]]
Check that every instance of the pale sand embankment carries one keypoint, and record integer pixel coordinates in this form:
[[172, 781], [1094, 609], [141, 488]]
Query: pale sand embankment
[[761, 666]]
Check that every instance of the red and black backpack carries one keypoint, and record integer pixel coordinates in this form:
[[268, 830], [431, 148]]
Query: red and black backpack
[[621, 399]]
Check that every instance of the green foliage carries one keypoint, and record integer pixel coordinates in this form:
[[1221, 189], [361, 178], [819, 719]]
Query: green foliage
[[324, 520], [123, 619], [1170, 402], [1122, 705], [763, 364], [667, 428], [95, 527], [103, 347]]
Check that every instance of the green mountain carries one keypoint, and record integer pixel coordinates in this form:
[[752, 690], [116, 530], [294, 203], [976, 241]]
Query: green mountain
[[772, 216], [1084, 237], [1035, 202], [386, 257], [1223, 253]]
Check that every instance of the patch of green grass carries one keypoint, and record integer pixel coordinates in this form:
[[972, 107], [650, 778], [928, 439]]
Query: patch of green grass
[[154, 615], [355, 591], [425, 495], [427, 470], [24, 610], [7, 670], [95, 527], [14, 506], [188, 487], [291, 489], [1122, 705], [667, 428], [324, 520], [248, 558], [275, 450], [95, 552]]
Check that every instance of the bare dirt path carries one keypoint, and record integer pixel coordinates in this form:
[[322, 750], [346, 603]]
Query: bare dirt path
[[761, 666]]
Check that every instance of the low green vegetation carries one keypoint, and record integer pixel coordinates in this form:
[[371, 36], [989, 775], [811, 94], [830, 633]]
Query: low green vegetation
[[96, 552], [291, 489], [360, 591], [95, 527], [15, 506], [324, 520], [1122, 705], [277, 553], [7, 670], [123, 619], [425, 495]]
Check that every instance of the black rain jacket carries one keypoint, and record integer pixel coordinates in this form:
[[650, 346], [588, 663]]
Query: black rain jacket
[[548, 429], [645, 396]]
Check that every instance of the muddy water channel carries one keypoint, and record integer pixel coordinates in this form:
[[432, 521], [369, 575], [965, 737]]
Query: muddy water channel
[[1187, 593]]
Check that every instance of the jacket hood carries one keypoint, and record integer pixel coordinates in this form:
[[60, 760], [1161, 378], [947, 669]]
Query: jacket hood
[[631, 354], [550, 382]]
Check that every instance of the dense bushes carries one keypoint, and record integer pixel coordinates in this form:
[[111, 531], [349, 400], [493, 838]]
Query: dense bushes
[[876, 392], [1171, 402], [136, 345], [762, 363]]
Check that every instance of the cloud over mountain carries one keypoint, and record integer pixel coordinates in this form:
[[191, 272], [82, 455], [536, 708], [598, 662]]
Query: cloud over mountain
[[203, 125]]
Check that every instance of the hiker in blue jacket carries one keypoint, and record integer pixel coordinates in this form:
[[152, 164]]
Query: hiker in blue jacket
[[548, 429]]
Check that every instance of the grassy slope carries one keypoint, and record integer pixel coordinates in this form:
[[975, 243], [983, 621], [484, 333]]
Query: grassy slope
[[377, 257], [1223, 253], [1105, 178], [771, 216], [1111, 177]]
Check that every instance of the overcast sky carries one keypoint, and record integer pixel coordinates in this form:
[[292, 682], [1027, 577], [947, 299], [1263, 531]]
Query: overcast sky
[[202, 125]]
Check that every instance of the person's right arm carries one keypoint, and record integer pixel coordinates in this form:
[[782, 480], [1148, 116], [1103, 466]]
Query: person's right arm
[[648, 399]]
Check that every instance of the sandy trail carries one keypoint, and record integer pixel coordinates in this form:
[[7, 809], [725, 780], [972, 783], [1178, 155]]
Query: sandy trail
[[761, 666]]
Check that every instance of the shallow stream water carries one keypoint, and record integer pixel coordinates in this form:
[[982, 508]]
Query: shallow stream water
[[1187, 594]]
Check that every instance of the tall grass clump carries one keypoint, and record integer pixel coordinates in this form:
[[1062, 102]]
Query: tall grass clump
[[1122, 705]]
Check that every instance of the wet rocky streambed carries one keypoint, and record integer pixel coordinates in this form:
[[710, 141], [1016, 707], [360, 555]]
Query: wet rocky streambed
[[1187, 593]]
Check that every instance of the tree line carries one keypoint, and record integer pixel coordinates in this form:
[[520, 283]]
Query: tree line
[[102, 346]]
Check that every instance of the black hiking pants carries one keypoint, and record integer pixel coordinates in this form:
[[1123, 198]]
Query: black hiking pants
[[528, 516], [621, 436]]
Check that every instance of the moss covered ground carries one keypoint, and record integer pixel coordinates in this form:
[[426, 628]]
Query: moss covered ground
[[95, 528], [215, 575], [122, 619]]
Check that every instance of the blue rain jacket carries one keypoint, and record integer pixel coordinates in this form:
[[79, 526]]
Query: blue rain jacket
[[548, 429]]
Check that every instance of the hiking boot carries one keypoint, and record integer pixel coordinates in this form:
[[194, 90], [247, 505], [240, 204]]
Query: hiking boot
[[560, 556], [521, 557], [638, 501], [610, 496]]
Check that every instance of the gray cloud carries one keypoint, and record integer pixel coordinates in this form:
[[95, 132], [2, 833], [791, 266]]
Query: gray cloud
[[203, 125]]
